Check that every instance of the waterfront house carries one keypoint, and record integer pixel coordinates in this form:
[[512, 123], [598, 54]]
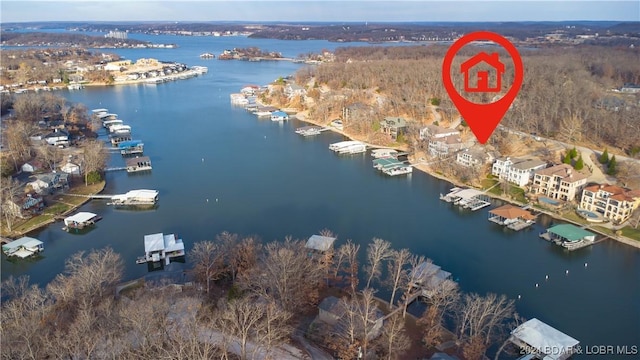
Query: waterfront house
[[138, 163], [445, 146], [49, 182], [57, 137], [435, 131], [71, 168], [23, 247], [293, 90], [613, 202], [159, 247], [393, 126], [512, 217], [518, 171], [559, 182], [32, 204], [543, 341], [474, 157], [356, 111]]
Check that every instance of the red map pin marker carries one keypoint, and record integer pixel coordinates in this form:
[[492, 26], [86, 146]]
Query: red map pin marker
[[482, 118]]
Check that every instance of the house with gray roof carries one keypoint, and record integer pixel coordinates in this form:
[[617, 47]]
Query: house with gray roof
[[393, 126]]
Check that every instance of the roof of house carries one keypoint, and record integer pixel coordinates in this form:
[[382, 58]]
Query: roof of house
[[570, 232], [436, 130], [442, 356], [616, 192], [320, 243], [527, 164], [493, 60], [564, 171], [512, 212], [328, 303], [546, 339]]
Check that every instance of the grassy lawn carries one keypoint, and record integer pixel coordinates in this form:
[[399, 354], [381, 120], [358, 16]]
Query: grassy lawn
[[517, 193], [571, 215], [631, 233], [40, 219]]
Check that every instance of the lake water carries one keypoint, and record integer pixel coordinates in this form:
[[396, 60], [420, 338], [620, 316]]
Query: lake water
[[261, 178]]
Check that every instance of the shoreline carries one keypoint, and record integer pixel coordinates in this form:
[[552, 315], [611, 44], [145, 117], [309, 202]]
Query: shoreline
[[621, 239], [55, 217]]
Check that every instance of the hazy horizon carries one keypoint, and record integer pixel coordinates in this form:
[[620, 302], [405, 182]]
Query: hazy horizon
[[23, 11]]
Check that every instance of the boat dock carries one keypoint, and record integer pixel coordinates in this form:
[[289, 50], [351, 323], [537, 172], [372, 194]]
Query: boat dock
[[471, 199], [310, 130], [570, 236], [158, 247], [512, 217], [80, 221], [23, 247]]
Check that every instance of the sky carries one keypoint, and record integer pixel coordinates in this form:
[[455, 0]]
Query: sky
[[317, 10]]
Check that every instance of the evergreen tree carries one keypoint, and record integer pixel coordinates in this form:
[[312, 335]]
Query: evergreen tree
[[604, 158], [567, 158], [579, 164], [612, 167], [574, 153]]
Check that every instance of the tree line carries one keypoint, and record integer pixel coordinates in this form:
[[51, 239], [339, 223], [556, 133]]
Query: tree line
[[252, 297], [564, 95]]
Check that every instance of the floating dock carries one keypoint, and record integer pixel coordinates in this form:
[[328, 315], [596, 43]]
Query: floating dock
[[569, 236], [512, 217], [80, 220], [23, 247]]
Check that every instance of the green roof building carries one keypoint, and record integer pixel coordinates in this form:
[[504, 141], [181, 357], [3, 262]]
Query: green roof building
[[571, 233]]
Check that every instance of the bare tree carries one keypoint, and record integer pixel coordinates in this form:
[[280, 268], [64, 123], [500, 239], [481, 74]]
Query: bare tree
[[442, 300], [17, 135], [414, 276], [377, 252], [49, 155], [285, 275], [230, 246], [95, 157], [274, 329], [480, 321], [241, 319], [208, 259], [10, 194], [349, 252], [394, 337], [397, 272]]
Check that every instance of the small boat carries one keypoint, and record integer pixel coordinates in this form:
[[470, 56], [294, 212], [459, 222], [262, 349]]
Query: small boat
[[207, 56], [308, 130], [400, 170], [141, 260], [337, 124]]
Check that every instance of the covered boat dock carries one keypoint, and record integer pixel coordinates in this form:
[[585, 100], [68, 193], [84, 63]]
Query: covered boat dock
[[543, 341], [23, 247], [467, 198], [512, 217]]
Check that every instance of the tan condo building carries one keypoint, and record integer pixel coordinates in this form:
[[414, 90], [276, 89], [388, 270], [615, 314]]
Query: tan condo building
[[559, 182], [613, 202]]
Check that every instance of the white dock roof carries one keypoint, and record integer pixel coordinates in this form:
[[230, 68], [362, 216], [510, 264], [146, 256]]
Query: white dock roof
[[24, 241], [320, 243], [172, 244], [549, 341], [79, 217], [153, 242], [467, 193]]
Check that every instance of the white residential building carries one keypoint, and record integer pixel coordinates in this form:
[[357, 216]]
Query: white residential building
[[516, 171], [560, 182], [613, 202]]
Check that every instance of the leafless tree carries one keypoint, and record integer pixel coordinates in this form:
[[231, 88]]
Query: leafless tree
[[95, 157], [377, 252], [397, 272], [349, 252], [17, 135], [11, 192], [394, 337], [240, 318], [442, 300], [480, 321], [274, 329], [410, 281], [49, 155], [286, 275], [230, 246], [208, 259]]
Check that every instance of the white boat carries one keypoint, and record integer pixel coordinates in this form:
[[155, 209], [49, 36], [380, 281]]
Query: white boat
[[353, 149], [341, 144], [400, 170], [109, 123], [120, 128], [262, 113], [383, 153], [100, 111]]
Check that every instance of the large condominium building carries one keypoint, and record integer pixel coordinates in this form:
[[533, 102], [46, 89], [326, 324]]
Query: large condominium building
[[560, 182], [613, 202], [516, 171]]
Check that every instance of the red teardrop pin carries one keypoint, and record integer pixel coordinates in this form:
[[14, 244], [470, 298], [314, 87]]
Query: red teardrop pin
[[482, 118]]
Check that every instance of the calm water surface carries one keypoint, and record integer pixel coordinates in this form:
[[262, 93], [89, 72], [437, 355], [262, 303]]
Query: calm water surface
[[271, 182]]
